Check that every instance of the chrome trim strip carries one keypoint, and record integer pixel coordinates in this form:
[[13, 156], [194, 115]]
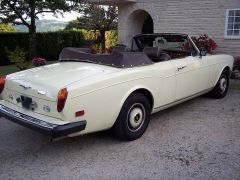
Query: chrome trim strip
[[25, 87], [184, 99], [42, 92], [26, 118], [54, 130]]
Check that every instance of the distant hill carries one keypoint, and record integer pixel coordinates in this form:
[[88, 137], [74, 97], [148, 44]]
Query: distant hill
[[44, 26]]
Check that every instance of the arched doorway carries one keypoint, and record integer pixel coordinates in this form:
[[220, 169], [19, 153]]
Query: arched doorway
[[147, 25], [138, 22]]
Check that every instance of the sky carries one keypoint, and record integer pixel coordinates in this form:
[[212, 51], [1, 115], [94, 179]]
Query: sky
[[67, 16]]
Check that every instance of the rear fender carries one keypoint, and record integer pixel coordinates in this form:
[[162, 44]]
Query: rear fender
[[132, 90]]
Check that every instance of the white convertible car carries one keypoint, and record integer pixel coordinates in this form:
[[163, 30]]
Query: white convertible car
[[85, 93]]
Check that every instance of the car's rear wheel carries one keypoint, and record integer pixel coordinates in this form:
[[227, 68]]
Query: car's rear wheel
[[222, 86], [133, 119]]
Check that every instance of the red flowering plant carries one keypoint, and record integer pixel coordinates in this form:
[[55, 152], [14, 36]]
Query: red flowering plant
[[202, 42], [108, 51], [185, 46], [94, 50], [39, 62], [205, 42]]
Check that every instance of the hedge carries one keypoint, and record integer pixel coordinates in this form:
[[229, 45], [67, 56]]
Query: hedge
[[49, 44]]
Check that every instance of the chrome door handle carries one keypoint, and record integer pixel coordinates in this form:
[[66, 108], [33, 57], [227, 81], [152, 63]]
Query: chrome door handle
[[181, 68]]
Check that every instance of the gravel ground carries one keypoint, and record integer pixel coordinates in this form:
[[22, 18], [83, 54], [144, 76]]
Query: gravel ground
[[199, 139]]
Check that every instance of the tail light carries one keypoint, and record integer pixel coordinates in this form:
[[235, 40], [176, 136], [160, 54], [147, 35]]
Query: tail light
[[62, 97], [2, 83]]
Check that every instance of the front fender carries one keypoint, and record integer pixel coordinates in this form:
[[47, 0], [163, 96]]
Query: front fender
[[223, 61]]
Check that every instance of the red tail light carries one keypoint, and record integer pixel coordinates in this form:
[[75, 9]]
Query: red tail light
[[2, 83], [62, 97]]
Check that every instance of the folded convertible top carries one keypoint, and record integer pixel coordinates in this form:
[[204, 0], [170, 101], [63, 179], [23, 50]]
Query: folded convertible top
[[119, 59]]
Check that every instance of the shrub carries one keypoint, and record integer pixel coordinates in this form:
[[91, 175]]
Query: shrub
[[9, 41], [6, 28], [50, 44], [39, 62], [111, 39], [236, 65], [18, 57]]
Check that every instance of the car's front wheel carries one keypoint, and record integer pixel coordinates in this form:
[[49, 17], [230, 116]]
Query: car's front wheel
[[222, 86], [133, 119]]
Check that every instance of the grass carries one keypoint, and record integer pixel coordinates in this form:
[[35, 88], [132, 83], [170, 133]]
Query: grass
[[5, 70]]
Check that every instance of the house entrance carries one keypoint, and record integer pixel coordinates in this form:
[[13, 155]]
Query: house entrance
[[147, 25], [139, 21]]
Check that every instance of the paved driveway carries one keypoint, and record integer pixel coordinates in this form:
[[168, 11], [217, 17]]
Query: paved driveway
[[199, 139]]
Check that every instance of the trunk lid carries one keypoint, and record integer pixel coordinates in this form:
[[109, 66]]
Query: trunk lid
[[45, 82]]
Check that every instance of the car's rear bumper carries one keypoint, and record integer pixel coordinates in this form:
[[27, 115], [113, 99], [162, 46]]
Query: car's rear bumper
[[51, 129]]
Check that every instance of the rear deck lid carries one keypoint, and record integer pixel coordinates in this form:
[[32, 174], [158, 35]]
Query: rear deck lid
[[45, 82]]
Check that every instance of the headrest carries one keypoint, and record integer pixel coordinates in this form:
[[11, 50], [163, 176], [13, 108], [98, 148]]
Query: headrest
[[164, 57], [152, 51]]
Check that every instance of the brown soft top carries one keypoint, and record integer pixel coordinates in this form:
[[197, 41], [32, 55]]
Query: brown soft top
[[120, 59]]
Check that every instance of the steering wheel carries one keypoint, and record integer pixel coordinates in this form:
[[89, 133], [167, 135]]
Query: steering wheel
[[160, 42]]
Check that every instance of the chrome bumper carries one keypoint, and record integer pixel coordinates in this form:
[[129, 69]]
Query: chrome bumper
[[53, 130]]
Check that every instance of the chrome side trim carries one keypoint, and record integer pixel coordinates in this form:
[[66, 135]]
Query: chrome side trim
[[182, 100], [25, 87]]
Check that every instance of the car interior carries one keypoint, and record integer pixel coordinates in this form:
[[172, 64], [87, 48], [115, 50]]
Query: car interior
[[119, 57], [163, 47], [146, 49]]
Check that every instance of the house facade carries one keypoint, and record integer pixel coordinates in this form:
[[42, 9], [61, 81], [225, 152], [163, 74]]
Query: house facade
[[220, 19]]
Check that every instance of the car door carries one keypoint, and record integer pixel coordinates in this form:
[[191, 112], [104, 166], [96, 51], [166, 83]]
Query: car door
[[192, 76]]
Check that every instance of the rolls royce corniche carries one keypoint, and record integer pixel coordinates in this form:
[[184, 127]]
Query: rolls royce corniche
[[85, 92]]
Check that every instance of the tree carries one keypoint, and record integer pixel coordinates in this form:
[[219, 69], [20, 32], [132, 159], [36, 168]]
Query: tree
[[101, 18], [72, 25], [6, 28], [79, 23], [25, 12]]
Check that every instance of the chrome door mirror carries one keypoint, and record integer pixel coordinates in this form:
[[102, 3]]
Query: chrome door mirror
[[203, 52]]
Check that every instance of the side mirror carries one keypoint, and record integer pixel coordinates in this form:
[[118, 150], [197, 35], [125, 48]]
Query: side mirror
[[203, 52]]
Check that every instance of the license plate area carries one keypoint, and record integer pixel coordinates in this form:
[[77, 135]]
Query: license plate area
[[26, 102]]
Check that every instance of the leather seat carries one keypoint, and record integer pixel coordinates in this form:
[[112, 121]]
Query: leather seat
[[156, 55], [164, 57], [152, 53]]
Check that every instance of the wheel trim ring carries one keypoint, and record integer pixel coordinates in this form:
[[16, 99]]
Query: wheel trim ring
[[131, 126], [223, 84]]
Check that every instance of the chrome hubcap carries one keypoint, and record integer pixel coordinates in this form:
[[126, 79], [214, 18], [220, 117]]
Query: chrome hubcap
[[136, 117], [223, 84]]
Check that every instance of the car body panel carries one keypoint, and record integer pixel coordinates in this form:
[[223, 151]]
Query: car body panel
[[192, 76], [100, 91]]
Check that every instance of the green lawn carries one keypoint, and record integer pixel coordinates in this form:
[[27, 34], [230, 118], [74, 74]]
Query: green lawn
[[4, 70]]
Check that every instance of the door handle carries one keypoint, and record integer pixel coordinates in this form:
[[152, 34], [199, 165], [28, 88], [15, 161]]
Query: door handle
[[181, 68]]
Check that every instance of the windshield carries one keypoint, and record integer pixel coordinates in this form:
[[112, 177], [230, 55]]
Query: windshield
[[164, 42]]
